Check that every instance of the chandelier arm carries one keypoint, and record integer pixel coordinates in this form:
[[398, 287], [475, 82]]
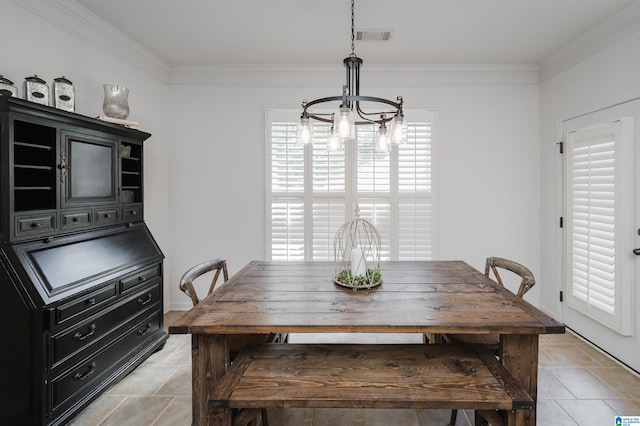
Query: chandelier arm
[[360, 98], [353, 98], [320, 101]]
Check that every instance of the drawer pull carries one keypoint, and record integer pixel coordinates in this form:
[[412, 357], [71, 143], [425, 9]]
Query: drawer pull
[[142, 278], [91, 301], [75, 219], [82, 376], [107, 216], [144, 330], [134, 213], [142, 302], [79, 336], [36, 225]]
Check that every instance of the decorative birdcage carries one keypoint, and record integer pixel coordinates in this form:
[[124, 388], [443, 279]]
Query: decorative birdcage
[[356, 248]]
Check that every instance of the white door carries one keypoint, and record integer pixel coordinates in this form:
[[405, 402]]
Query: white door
[[601, 229]]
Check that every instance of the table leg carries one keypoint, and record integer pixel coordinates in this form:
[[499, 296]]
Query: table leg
[[209, 362], [519, 354]]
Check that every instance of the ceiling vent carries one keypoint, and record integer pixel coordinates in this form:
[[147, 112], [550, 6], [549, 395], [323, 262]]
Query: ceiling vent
[[373, 35]]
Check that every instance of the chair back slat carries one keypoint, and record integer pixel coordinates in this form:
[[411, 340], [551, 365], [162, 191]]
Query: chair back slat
[[493, 263], [186, 282]]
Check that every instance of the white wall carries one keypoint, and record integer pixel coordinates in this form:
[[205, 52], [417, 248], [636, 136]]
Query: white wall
[[48, 42], [487, 159], [604, 79]]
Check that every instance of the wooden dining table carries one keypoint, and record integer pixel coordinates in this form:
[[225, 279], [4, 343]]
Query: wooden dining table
[[425, 297]]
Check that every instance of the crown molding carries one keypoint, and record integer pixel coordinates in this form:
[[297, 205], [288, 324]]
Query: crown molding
[[75, 19], [616, 28], [331, 76]]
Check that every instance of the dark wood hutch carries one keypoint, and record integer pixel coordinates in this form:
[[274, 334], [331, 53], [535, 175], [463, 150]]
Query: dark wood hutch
[[80, 273]]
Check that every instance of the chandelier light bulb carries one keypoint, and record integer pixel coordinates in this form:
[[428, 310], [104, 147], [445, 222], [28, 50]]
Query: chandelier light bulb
[[334, 142], [304, 130], [399, 129], [344, 125], [382, 140]]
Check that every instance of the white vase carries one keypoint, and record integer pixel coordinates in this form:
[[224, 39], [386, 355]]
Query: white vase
[[116, 101]]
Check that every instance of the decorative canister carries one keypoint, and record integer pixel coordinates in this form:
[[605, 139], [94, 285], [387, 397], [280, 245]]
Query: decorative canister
[[116, 101], [36, 90], [63, 94], [7, 87]]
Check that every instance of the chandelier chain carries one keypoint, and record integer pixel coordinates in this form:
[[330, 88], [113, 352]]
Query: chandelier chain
[[353, 37]]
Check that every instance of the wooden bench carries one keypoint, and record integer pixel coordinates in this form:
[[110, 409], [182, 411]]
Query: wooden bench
[[444, 376]]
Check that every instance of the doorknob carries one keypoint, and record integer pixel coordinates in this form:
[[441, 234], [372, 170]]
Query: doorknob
[[636, 251]]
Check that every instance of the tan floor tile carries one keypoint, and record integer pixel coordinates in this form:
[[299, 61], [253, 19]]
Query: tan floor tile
[[551, 414], [626, 384], [550, 388], [174, 343], [338, 416], [137, 411], [582, 384], [180, 355], [177, 413], [545, 359], [601, 358], [625, 407], [178, 384], [560, 339], [145, 380], [98, 410], [588, 412], [574, 356]]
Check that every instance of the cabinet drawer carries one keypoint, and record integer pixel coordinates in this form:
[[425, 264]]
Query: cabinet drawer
[[99, 328], [139, 277], [85, 303], [76, 219], [35, 224], [132, 214], [77, 381], [106, 216]]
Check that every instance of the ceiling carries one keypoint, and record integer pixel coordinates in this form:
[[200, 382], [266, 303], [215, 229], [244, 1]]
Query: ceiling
[[260, 32]]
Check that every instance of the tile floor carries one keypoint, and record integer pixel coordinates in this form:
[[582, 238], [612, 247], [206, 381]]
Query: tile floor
[[578, 386]]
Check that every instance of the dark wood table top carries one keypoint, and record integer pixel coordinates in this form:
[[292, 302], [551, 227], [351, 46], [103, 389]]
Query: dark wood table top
[[415, 297]]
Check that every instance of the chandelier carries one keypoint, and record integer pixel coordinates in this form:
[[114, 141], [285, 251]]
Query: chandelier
[[391, 126]]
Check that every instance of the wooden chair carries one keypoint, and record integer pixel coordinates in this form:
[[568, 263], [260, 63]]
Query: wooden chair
[[249, 417], [492, 341], [186, 282]]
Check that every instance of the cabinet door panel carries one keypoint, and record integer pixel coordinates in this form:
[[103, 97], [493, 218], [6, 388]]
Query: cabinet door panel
[[89, 169]]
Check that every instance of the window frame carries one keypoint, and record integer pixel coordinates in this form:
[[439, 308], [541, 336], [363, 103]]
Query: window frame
[[427, 116]]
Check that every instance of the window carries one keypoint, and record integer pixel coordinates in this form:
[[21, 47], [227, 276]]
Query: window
[[311, 192]]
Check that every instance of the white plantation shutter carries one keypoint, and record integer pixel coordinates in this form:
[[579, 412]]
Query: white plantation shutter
[[597, 177], [312, 191], [287, 230], [415, 209], [287, 186], [328, 216]]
